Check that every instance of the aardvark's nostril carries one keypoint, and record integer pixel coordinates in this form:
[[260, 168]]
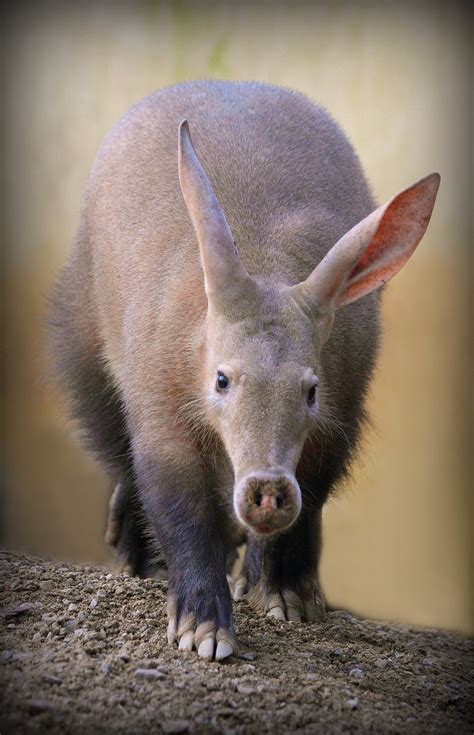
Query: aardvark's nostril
[[279, 500], [258, 497]]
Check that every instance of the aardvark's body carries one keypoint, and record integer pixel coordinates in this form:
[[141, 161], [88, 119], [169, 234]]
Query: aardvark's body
[[220, 383]]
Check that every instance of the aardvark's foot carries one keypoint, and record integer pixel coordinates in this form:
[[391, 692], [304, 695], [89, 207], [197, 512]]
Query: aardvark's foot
[[209, 640], [304, 602]]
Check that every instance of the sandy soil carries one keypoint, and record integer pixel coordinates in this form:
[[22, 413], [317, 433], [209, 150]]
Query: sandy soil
[[83, 651]]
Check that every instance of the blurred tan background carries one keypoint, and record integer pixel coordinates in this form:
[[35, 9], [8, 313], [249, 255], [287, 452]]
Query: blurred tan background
[[396, 76]]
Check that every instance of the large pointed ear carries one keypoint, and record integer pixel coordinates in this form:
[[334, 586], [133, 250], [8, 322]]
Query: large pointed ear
[[374, 250], [223, 269]]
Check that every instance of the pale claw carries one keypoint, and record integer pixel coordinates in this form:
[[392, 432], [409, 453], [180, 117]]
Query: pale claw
[[314, 604], [275, 607], [172, 630], [224, 650], [231, 583], [294, 606], [204, 639], [310, 610], [292, 615], [123, 565], [186, 641], [186, 632], [276, 612], [226, 644], [206, 649], [240, 588], [320, 606], [114, 520]]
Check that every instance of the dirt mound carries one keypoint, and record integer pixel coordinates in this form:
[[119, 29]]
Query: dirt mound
[[84, 652]]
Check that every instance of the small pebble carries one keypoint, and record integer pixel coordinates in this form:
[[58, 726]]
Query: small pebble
[[93, 603], [353, 703], [150, 674], [342, 615], [356, 673], [150, 663], [104, 667], [19, 656], [175, 726], [248, 655], [21, 609], [72, 607], [51, 679], [35, 706], [245, 690]]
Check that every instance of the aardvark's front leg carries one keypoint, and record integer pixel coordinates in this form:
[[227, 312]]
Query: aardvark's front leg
[[280, 574], [192, 531]]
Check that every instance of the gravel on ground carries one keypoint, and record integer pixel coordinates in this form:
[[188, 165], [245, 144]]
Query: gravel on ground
[[84, 651]]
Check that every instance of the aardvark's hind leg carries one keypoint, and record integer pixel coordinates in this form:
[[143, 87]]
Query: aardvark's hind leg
[[127, 532]]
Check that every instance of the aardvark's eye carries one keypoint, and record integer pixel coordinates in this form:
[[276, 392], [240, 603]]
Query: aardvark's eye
[[222, 381], [312, 392]]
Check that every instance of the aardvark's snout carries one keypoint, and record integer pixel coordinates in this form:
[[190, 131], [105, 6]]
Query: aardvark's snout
[[267, 501]]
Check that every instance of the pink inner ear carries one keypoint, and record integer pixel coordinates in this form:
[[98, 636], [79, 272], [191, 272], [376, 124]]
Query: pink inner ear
[[399, 232], [373, 279]]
